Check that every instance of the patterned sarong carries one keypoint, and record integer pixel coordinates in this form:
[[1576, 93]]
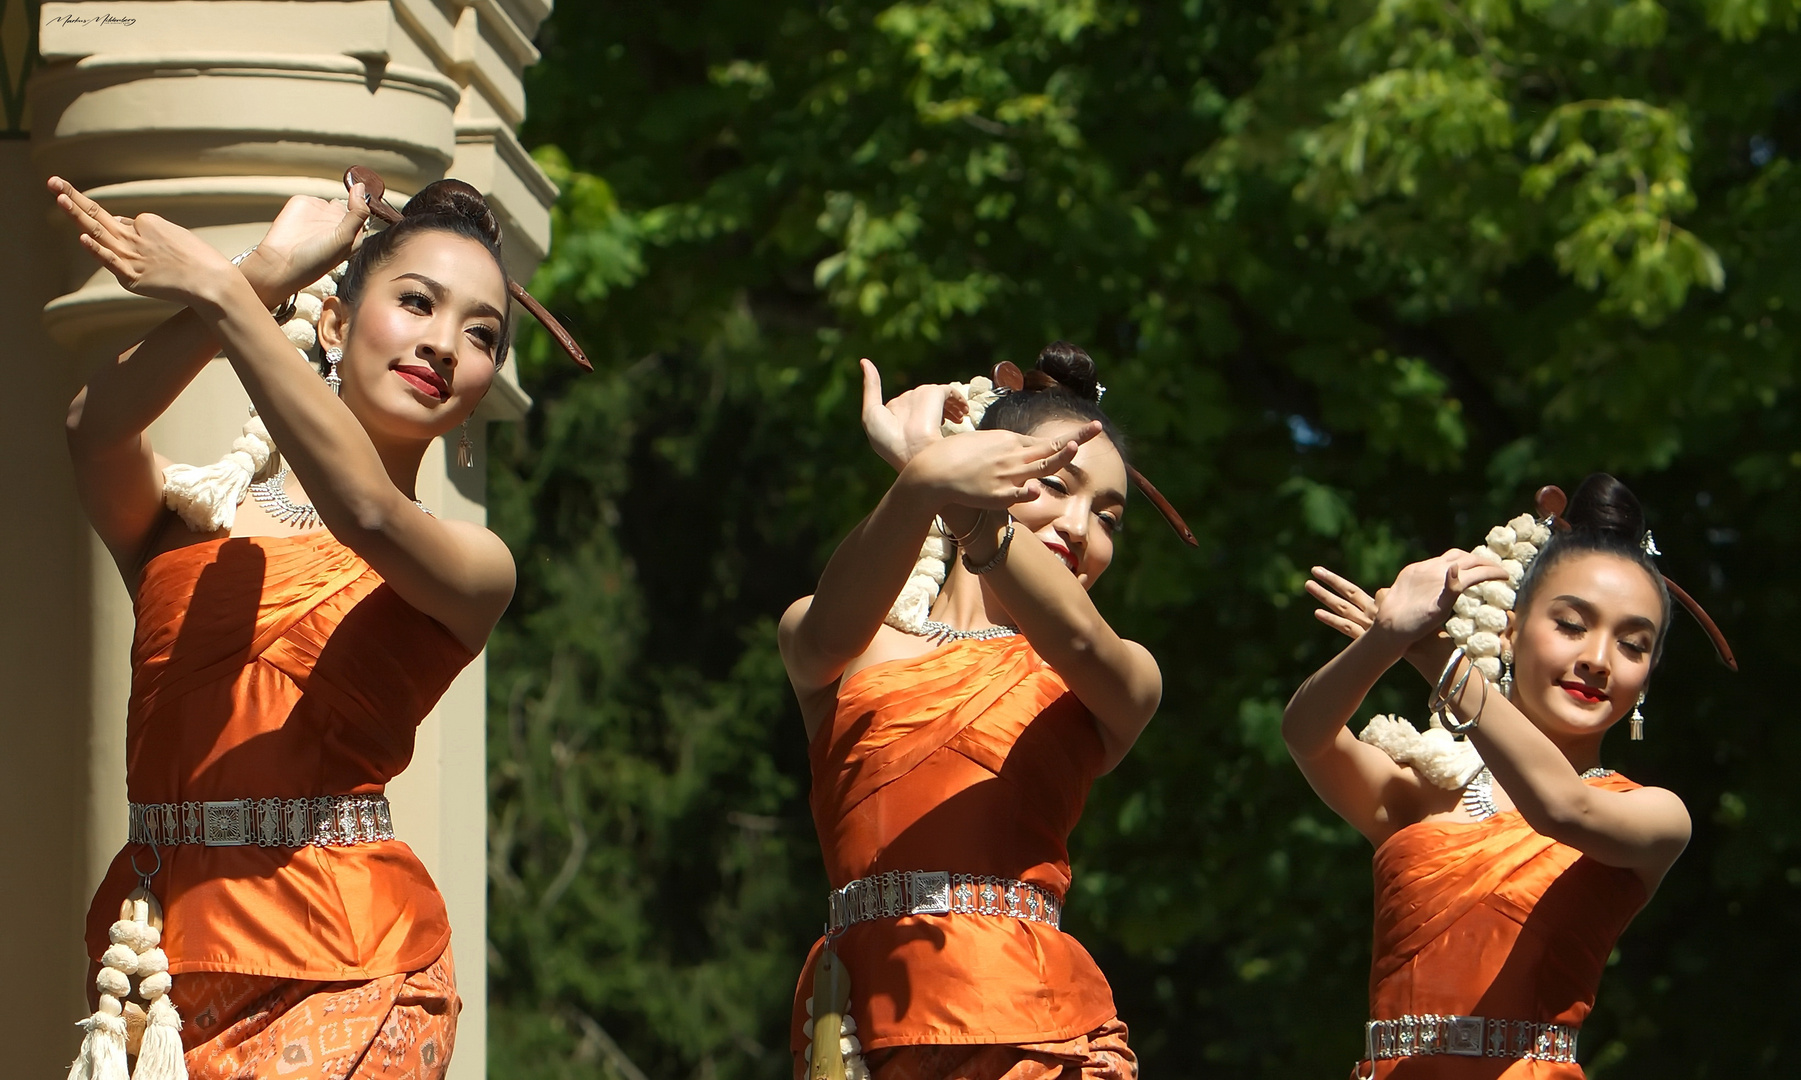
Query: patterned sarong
[[1102, 1054], [248, 1027]]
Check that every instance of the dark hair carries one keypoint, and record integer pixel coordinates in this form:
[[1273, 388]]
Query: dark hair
[[449, 206], [1063, 387], [1605, 518]]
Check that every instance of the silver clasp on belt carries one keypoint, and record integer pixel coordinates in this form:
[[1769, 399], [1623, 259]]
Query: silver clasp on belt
[[226, 824]]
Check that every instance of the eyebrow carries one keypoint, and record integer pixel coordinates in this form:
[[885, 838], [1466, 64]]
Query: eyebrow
[[1636, 622], [1082, 474], [482, 307]]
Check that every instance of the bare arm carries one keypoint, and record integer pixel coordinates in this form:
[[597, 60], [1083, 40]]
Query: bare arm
[[459, 574], [1361, 783], [118, 473], [1118, 680], [1643, 830], [867, 570]]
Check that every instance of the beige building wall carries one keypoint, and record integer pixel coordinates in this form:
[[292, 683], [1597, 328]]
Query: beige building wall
[[211, 113]]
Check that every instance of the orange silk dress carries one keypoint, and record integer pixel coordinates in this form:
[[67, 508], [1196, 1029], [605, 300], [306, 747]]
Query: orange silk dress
[[973, 758], [280, 667], [1491, 919]]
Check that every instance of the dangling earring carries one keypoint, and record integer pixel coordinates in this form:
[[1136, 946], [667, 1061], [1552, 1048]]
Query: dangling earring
[[333, 357], [1638, 720], [1507, 674], [465, 448]]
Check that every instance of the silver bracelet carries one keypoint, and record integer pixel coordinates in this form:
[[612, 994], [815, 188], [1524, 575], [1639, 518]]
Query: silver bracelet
[[281, 312], [999, 552], [981, 516], [1441, 706]]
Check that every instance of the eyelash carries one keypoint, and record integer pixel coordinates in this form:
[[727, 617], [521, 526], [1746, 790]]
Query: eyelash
[[1112, 523], [1632, 647], [488, 338]]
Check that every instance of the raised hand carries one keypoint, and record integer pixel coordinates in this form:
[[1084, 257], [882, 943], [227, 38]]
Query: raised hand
[[308, 238], [992, 470], [1420, 600], [150, 255], [1343, 606], [903, 427]]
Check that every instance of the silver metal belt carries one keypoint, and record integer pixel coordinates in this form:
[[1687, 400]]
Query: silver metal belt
[[896, 893], [325, 820], [1469, 1036]]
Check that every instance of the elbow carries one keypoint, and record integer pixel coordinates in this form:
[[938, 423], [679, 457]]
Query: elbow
[[1561, 817], [370, 513]]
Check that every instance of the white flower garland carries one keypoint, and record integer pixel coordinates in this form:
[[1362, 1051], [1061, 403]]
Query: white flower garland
[[1477, 620], [207, 497], [914, 604]]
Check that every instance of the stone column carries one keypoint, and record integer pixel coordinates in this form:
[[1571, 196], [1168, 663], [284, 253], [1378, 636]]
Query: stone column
[[211, 113]]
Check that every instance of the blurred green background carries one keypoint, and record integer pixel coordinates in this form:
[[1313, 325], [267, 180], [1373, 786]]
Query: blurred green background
[[1360, 276]]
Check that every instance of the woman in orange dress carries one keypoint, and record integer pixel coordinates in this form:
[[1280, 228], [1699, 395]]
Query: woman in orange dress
[[1500, 891], [950, 763], [280, 667]]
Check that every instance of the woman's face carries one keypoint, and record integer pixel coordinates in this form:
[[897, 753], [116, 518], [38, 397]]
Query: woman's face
[[420, 343], [1078, 510], [1582, 653]]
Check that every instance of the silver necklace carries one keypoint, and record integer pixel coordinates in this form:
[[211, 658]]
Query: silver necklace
[[938, 631], [1479, 796], [272, 495]]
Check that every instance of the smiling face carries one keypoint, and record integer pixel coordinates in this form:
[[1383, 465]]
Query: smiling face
[[1078, 511], [1583, 651], [421, 341]]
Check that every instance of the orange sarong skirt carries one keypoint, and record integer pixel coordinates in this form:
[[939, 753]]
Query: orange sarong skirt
[[1102, 1054], [250, 1027]]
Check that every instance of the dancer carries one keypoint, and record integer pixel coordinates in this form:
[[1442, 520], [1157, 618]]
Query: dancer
[[280, 668], [953, 736], [1506, 866]]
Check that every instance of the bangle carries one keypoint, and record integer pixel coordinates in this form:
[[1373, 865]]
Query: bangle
[[1437, 698], [283, 311], [981, 516], [999, 552], [1440, 703]]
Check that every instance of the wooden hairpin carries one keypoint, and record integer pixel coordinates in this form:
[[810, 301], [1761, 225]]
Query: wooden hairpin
[[1008, 376], [374, 189]]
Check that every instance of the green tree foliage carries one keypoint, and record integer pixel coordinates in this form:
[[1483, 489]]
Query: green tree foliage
[[1360, 276]]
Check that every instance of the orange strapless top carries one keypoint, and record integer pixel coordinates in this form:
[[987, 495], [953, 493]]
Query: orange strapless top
[[1492, 919], [279, 667], [974, 758]]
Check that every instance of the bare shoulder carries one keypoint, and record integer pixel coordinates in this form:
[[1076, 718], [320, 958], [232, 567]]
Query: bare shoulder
[[481, 546], [1662, 809]]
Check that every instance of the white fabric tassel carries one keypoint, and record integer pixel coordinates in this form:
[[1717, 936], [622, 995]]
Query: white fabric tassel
[[160, 1057], [102, 1054], [207, 497]]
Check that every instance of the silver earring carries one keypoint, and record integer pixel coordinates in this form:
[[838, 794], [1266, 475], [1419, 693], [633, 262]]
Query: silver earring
[[333, 357], [465, 448], [1507, 675], [1638, 720]]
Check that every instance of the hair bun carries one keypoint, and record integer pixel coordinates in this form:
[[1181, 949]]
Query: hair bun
[[454, 198], [1604, 505], [1073, 369]]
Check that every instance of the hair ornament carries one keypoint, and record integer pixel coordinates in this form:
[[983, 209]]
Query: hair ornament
[[1649, 544], [1009, 378], [374, 189]]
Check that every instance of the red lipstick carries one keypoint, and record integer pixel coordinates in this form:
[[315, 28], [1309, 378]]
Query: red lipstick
[[425, 380]]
